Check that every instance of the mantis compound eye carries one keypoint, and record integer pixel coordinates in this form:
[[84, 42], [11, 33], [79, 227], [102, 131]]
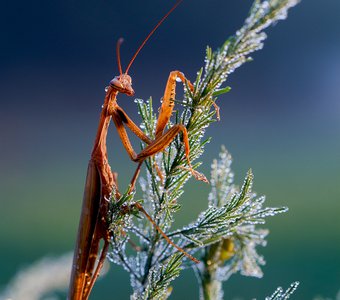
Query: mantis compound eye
[[123, 84], [115, 83]]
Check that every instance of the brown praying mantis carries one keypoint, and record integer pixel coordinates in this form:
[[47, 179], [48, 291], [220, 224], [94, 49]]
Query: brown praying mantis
[[101, 181]]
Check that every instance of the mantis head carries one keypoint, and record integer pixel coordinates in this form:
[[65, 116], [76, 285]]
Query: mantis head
[[123, 84]]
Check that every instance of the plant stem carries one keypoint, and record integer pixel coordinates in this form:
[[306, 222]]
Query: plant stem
[[211, 288]]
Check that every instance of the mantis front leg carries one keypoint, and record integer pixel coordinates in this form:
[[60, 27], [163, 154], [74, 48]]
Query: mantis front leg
[[169, 100], [163, 139]]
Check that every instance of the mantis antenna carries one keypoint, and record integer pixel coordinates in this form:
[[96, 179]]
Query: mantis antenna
[[119, 42], [150, 34]]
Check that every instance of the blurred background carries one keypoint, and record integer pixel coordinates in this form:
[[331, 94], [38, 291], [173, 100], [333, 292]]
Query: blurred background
[[282, 119]]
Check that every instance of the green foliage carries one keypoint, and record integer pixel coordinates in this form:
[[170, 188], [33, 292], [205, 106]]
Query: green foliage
[[160, 278], [234, 213]]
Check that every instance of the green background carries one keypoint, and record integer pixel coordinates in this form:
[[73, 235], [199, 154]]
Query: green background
[[282, 119]]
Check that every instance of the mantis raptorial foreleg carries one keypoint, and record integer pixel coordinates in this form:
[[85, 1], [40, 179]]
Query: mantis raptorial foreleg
[[169, 100], [163, 139]]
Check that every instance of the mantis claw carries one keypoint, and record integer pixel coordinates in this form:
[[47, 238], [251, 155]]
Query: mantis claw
[[217, 109], [198, 176]]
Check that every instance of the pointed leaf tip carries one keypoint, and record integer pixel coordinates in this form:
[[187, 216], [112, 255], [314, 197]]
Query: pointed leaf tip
[[222, 91]]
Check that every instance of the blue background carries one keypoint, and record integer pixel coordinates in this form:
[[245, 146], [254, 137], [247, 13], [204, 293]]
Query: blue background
[[281, 119]]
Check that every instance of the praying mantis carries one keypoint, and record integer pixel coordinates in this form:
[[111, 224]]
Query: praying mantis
[[101, 181]]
